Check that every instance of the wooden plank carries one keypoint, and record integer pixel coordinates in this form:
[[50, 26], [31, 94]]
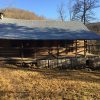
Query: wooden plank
[[85, 48], [57, 54], [76, 48]]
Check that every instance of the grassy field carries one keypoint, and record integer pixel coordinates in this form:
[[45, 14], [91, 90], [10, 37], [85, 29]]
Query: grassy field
[[24, 84]]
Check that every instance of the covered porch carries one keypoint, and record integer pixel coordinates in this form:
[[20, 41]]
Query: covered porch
[[48, 53]]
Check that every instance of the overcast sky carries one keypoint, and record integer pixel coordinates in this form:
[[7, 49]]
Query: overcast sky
[[47, 8]]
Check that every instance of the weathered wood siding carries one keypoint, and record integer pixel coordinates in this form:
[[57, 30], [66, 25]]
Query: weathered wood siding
[[18, 48], [7, 50]]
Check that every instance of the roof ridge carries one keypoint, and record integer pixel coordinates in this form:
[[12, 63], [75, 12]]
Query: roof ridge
[[28, 19], [44, 20]]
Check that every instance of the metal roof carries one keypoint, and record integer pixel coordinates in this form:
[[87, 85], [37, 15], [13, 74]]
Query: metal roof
[[44, 30]]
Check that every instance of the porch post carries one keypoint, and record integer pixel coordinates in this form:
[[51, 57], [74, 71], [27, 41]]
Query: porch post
[[57, 54], [48, 56], [84, 48], [76, 48], [22, 55]]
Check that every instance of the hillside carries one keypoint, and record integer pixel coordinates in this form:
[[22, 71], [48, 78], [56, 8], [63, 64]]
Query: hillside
[[94, 27], [21, 14]]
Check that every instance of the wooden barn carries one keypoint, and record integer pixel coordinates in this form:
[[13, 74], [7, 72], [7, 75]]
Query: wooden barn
[[45, 41]]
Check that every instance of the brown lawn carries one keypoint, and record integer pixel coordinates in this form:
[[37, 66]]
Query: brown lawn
[[23, 84]]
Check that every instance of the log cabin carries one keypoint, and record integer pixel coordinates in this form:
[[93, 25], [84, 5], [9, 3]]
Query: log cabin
[[44, 40]]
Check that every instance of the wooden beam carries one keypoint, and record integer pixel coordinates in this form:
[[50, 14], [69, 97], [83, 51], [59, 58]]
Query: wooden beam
[[22, 55], [76, 48], [48, 56], [57, 54], [35, 53], [84, 48]]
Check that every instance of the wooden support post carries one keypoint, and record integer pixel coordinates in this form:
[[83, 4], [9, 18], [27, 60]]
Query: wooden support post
[[48, 57], [71, 63], [57, 55], [84, 48], [45, 63], [66, 47], [22, 55], [35, 52], [89, 48], [36, 57], [76, 48], [65, 52]]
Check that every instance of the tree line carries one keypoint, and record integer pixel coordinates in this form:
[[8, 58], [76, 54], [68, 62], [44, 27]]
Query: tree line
[[20, 14]]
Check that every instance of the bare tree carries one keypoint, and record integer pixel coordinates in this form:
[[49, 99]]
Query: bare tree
[[83, 10], [69, 5], [61, 12]]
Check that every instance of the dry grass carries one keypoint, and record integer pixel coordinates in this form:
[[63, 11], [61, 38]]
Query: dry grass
[[21, 84]]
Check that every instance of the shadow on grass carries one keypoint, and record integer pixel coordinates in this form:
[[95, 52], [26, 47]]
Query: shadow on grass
[[76, 75]]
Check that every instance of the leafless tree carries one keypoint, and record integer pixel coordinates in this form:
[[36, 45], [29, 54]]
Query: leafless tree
[[83, 10], [69, 5], [61, 12]]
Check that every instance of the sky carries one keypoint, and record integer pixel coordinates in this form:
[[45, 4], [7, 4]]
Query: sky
[[46, 8]]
